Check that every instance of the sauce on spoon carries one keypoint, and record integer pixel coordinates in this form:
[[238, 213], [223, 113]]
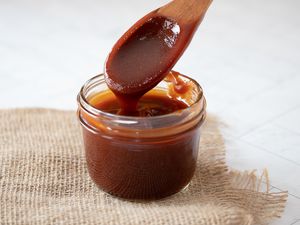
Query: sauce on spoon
[[146, 53]]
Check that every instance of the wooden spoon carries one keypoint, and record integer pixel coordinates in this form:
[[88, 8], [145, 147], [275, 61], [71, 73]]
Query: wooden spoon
[[145, 54]]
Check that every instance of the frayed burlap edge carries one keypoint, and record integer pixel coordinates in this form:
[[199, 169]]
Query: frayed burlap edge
[[44, 180]]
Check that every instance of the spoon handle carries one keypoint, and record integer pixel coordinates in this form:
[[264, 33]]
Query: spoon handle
[[185, 11]]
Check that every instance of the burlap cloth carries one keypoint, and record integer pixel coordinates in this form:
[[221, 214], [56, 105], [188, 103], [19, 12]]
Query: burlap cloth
[[44, 180]]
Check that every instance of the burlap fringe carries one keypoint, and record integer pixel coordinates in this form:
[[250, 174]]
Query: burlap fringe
[[262, 203], [44, 180]]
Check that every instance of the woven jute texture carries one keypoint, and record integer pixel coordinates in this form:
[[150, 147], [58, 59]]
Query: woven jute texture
[[44, 180]]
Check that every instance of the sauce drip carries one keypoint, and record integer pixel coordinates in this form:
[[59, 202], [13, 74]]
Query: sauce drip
[[178, 86], [154, 103]]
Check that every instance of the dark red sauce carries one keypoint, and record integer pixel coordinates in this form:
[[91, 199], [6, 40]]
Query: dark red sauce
[[120, 159], [143, 56], [140, 168], [154, 103], [136, 65]]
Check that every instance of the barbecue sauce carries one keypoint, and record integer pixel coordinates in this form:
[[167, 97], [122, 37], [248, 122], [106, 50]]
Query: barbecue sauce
[[147, 161], [154, 103], [142, 57]]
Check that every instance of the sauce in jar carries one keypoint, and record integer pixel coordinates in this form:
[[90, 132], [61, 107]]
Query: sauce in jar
[[147, 156], [154, 103]]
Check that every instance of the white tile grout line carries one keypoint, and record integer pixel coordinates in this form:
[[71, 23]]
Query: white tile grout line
[[298, 220], [268, 121], [289, 130], [264, 123], [279, 157], [279, 189], [266, 150], [273, 86], [273, 187]]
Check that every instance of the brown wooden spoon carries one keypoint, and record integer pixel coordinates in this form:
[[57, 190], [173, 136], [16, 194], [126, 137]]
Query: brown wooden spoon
[[145, 54]]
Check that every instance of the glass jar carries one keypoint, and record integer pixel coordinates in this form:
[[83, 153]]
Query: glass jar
[[141, 157]]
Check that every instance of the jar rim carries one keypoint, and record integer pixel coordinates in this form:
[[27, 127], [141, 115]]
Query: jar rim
[[83, 102]]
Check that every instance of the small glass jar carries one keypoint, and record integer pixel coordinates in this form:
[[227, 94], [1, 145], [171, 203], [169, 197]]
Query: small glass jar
[[141, 158]]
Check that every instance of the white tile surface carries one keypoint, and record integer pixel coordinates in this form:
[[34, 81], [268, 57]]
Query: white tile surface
[[290, 121], [279, 141], [291, 214], [245, 55], [263, 107], [283, 174]]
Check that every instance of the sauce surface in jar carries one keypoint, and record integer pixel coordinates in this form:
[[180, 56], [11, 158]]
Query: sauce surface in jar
[[154, 103]]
